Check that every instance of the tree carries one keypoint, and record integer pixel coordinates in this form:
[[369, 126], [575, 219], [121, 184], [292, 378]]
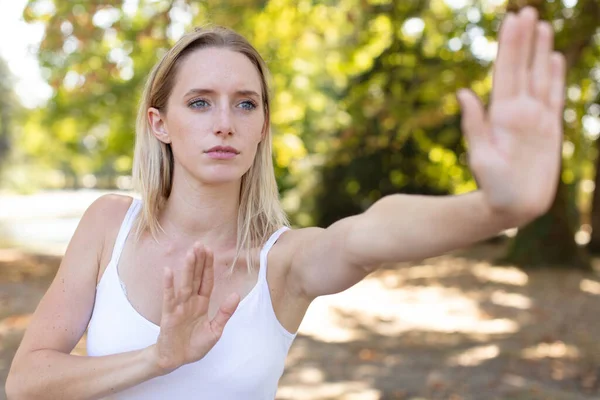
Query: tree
[[7, 109], [404, 133], [594, 244], [364, 94], [96, 56], [395, 135]]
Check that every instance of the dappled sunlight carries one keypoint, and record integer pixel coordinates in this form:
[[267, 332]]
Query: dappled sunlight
[[474, 356], [515, 380], [505, 275], [18, 266], [515, 300], [443, 268], [363, 104], [10, 255], [323, 323], [452, 322], [57, 204], [45, 222], [14, 324], [590, 286], [310, 375], [338, 390], [556, 349], [386, 311]]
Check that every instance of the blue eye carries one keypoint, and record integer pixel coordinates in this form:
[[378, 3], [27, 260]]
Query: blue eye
[[248, 105], [198, 103]]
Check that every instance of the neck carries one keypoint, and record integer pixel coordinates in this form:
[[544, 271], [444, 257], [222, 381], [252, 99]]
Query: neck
[[200, 212]]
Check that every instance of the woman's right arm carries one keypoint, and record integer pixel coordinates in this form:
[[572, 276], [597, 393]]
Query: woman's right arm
[[42, 367]]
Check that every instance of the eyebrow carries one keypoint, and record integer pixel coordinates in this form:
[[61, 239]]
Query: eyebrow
[[210, 91]]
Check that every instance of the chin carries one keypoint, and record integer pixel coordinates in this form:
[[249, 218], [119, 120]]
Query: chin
[[220, 175]]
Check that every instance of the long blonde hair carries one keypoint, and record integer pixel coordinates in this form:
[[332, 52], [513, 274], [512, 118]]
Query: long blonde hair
[[260, 212]]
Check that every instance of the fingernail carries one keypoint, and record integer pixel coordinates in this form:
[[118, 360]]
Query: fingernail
[[531, 11]]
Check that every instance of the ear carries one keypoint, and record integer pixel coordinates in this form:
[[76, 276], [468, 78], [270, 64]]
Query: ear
[[157, 124]]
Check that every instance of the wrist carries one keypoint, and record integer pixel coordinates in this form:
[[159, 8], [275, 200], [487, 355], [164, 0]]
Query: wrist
[[153, 363], [501, 218]]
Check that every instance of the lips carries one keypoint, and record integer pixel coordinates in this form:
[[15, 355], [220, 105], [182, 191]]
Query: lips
[[223, 149], [222, 152]]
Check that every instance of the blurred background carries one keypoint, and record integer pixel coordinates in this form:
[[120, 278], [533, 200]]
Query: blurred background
[[364, 106]]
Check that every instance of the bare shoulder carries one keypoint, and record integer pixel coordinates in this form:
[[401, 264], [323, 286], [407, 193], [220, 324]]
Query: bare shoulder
[[289, 245], [108, 213], [109, 209], [104, 214], [99, 222], [63, 313], [319, 262], [293, 241]]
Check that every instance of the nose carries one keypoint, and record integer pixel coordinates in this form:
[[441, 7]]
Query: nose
[[223, 122]]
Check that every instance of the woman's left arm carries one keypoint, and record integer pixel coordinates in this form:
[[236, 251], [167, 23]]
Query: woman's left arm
[[514, 154]]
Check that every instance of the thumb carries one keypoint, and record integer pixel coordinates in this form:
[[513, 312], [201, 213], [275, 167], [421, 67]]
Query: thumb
[[224, 314], [473, 117]]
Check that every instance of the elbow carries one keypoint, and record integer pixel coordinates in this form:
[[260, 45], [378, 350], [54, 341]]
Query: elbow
[[14, 391], [17, 388]]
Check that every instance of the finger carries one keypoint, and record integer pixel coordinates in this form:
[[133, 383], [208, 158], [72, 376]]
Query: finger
[[224, 314], [473, 118], [168, 305], [557, 85], [527, 24], [187, 276], [208, 275], [505, 71], [199, 251], [540, 72]]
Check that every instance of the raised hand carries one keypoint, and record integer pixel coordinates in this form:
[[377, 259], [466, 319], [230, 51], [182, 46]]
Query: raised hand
[[186, 332], [515, 147]]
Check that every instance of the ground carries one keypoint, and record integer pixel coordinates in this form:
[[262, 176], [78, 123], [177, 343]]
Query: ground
[[452, 327]]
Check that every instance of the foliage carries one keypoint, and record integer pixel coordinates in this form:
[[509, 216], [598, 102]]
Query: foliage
[[364, 90], [7, 109]]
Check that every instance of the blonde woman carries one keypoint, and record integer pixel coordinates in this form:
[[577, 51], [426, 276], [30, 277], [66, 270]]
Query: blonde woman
[[157, 282]]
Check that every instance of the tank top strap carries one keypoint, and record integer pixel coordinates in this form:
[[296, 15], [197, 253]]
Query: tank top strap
[[126, 225], [264, 252]]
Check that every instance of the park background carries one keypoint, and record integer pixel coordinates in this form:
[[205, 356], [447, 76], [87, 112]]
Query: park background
[[364, 106]]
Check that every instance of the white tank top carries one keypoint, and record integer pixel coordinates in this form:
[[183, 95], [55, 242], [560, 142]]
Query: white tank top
[[246, 363]]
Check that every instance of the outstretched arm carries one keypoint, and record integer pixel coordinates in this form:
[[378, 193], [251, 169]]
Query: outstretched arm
[[514, 152]]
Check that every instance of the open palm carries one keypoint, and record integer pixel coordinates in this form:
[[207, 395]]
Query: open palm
[[186, 332], [514, 148]]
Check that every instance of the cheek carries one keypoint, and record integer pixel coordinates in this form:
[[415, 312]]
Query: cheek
[[252, 149], [258, 129], [187, 132], [251, 131], [252, 152]]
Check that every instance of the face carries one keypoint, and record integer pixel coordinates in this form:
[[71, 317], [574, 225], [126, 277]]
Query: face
[[215, 116]]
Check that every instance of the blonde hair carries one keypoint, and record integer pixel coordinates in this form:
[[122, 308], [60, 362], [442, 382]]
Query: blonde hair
[[260, 212]]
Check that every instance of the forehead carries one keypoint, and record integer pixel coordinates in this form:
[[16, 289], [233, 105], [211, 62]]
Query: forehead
[[217, 69]]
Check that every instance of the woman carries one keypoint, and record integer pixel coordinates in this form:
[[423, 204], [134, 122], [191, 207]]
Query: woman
[[158, 281]]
